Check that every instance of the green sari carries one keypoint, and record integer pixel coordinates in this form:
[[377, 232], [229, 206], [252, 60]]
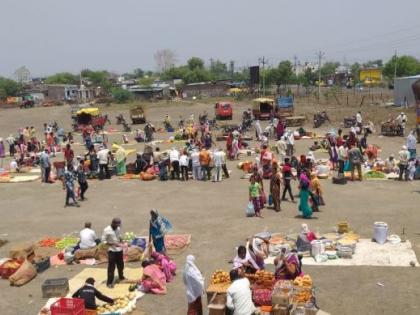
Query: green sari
[[303, 203]]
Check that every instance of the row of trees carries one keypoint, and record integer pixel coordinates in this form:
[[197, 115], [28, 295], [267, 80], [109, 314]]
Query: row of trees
[[196, 70]]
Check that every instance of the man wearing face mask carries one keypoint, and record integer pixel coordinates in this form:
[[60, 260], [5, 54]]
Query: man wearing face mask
[[112, 237]]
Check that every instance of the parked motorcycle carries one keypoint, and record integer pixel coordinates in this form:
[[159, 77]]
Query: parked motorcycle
[[120, 119]]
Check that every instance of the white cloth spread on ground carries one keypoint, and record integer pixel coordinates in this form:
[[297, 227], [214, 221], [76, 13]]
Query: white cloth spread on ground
[[369, 253]]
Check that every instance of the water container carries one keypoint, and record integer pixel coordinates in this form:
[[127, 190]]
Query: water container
[[317, 248], [380, 233]]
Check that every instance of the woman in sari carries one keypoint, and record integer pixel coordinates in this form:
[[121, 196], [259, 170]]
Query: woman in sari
[[229, 141], [168, 266], [121, 156], [288, 266], [266, 159], [275, 186], [194, 283], [153, 280], [317, 191], [304, 184], [159, 226]]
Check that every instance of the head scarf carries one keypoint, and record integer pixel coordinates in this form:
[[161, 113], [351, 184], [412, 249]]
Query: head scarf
[[193, 279], [304, 228]]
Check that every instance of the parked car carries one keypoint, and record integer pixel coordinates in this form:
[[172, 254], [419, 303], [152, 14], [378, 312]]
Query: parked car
[[223, 110]]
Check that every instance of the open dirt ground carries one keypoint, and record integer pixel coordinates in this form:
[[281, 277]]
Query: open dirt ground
[[214, 214]]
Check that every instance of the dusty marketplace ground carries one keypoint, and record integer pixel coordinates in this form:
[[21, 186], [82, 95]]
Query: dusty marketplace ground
[[214, 214]]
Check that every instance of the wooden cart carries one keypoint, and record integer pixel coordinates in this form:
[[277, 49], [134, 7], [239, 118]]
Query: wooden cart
[[391, 129], [295, 121]]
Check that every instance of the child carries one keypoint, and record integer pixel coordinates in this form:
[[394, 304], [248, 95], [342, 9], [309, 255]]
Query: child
[[254, 196]]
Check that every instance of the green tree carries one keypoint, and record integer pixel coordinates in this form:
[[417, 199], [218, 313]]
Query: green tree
[[197, 75], [281, 75], [138, 73], [328, 68], [219, 70], [120, 95], [62, 78], [146, 81], [406, 65], [98, 78], [9, 88], [195, 63], [355, 71]]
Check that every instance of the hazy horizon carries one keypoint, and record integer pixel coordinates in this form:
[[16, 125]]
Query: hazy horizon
[[52, 36]]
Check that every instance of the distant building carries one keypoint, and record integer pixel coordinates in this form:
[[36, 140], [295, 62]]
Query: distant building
[[208, 89], [299, 68], [370, 75], [69, 92]]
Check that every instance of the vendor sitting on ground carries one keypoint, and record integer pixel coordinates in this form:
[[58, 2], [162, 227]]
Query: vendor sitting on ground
[[288, 265], [244, 261], [88, 239], [88, 293], [305, 238], [390, 165], [258, 249], [154, 279]]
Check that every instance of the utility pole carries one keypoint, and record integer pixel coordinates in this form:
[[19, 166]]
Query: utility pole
[[395, 65], [320, 55], [263, 61], [295, 59]]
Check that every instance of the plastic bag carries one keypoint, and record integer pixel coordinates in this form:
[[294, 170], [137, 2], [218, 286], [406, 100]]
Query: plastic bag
[[270, 200], [250, 212]]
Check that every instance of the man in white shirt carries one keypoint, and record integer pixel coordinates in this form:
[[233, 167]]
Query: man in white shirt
[[111, 237], [196, 168], [342, 157], [282, 148], [404, 156], [183, 162], [174, 159], [412, 144], [103, 157], [88, 237], [290, 142], [359, 119], [239, 296], [402, 121], [218, 163]]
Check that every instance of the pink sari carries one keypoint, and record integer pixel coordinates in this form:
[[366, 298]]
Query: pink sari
[[154, 280], [168, 266]]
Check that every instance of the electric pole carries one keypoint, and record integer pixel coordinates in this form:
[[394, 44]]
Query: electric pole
[[295, 59], [320, 55], [263, 61], [395, 65]]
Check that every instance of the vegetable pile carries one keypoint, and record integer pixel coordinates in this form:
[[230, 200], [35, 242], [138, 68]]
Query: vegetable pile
[[375, 175], [66, 242], [220, 276]]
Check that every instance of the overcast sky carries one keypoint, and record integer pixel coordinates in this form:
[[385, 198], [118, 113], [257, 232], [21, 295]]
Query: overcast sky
[[48, 36]]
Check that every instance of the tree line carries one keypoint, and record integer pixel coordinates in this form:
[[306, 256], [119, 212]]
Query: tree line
[[196, 70]]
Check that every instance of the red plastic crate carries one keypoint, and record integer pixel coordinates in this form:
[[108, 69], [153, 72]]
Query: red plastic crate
[[66, 306]]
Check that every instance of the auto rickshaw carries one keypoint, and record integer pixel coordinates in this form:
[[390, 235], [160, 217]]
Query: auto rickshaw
[[262, 108], [89, 116]]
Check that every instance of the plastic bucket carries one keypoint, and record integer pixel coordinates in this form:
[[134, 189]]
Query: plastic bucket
[[380, 233], [317, 248]]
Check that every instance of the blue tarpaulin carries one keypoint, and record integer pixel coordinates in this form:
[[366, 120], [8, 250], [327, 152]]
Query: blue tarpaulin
[[285, 101]]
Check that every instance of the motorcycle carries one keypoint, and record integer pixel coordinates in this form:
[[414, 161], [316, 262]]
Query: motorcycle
[[120, 119], [320, 119], [126, 127]]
